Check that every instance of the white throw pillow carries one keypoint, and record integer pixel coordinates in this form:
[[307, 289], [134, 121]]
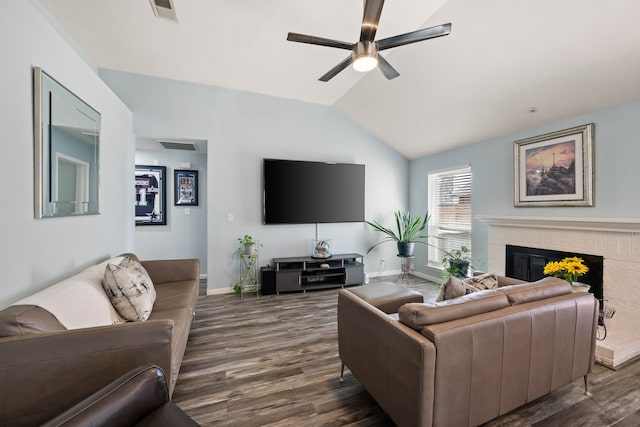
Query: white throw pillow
[[130, 289]]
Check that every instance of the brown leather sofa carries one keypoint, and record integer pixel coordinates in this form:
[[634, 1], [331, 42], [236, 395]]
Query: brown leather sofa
[[46, 368], [138, 398], [469, 360]]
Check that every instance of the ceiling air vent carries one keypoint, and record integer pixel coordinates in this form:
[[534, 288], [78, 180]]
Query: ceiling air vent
[[172, 145], [164, 9]]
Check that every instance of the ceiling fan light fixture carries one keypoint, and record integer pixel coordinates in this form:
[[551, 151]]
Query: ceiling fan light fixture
[[365, 56]]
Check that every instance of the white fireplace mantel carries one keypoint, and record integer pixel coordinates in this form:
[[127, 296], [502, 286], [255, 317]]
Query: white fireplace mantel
[[617, 240], [628, 225]]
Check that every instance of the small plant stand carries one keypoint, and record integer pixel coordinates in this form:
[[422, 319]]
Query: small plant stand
[[405, 268], [248, 280]]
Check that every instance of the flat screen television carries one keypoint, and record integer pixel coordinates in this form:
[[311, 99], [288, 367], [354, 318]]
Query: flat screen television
[[301, 192]]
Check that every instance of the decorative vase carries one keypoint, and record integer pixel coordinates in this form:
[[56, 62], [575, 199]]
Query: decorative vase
[[580, 287], [405, 249]]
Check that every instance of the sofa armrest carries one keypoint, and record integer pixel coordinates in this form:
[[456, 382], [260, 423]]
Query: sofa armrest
[[121, 403], [41, 375], [394, 363], [172, 270]]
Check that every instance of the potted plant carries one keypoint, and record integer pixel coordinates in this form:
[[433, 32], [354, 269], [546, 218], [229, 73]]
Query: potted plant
[[456, 263], [247, 245], [569, 269], [247, 254], [409, 230]]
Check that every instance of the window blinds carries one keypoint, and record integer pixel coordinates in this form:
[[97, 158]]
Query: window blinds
[[450, 211]]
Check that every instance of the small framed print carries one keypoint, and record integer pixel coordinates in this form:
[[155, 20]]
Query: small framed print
[[185, 187], [150, 188], [555, 169]]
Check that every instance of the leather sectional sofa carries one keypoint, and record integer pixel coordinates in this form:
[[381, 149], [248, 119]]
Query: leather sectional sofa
[[465, 361], [46, 368]]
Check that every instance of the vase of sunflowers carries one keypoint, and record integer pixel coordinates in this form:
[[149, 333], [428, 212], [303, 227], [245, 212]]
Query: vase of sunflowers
[[569, 269]]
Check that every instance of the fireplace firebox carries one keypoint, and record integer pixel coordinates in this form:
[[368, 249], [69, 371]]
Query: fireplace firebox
[[528, 264]]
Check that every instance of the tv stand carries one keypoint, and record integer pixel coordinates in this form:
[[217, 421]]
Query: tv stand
[[305, 273]]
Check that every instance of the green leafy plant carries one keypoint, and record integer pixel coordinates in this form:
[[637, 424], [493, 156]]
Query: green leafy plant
[[247, 254], [247, 239], [457, 262], [409, 229]]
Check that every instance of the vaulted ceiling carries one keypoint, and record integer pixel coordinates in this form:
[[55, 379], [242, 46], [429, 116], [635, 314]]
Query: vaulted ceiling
[[502, 59]]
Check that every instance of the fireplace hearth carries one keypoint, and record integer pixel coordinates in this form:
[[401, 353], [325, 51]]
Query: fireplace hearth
[[528, 264]]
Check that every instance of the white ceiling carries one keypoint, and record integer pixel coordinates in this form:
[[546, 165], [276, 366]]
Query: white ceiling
[[503, 56]]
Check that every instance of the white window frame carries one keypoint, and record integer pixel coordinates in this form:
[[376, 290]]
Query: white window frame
[[436, 228]]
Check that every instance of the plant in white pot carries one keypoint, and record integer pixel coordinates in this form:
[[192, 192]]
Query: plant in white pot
[[409, 231], [569, 269], [247, 254], [248, 245]]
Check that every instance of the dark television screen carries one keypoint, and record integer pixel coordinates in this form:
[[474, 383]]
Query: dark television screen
[[298, 192]]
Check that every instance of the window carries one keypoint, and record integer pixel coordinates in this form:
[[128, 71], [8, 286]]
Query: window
[[450, 211]]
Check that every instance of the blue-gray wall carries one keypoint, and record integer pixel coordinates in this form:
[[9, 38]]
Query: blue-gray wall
[[243, 128], [35, 253], [617, 174], [184, 236]]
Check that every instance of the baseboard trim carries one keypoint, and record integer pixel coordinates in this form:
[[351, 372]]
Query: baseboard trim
[[219, 291]]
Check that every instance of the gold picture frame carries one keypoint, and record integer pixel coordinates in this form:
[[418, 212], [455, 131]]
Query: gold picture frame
[[555, 169]]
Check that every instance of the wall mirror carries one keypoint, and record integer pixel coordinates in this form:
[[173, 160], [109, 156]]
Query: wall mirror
[[66, 149]]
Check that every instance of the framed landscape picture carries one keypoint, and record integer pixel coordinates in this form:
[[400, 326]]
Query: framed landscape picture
[[555, 169], [185, 192], [150, 188]]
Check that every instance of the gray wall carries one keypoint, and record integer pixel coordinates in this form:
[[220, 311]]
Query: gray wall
[[35, 253], [616, 173], [243, 128], [184, 236]]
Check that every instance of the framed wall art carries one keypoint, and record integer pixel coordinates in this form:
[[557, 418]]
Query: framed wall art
[[151, 202], [555, 169], [185, 190]]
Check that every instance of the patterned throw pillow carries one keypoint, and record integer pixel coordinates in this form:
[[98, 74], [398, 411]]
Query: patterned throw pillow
[[483, 281], [454, 288], [130, 289]]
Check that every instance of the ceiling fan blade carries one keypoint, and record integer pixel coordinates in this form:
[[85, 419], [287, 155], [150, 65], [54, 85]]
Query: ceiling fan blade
[[370, 19], [414, 36], [335, 70], [303, 38], [386, 68]]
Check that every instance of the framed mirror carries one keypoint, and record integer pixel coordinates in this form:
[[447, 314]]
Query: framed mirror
[[66, 151]]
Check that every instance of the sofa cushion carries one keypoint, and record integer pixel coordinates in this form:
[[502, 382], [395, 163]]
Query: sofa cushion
[[534, 291], [78, 301], [26, 320], [417, 316], [130, 289], [175, 295]]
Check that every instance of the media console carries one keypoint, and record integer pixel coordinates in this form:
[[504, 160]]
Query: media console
[[296, 274]]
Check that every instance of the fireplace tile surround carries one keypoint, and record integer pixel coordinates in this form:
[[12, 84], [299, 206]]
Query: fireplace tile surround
[[616, 239]]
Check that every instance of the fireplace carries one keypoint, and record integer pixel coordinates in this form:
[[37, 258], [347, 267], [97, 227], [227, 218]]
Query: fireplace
[[528, 264], [616, 240]]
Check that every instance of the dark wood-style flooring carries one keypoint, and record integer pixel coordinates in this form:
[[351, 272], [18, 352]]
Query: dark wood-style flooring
[[273, 360]]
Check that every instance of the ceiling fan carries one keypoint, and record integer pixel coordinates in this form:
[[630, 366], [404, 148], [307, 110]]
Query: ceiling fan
[[364, 53]]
